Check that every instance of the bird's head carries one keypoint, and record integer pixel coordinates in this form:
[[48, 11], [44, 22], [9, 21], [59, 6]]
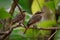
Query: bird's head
[[40, 13]]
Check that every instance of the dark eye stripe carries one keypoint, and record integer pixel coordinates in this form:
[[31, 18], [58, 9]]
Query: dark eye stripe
[[38, 12]]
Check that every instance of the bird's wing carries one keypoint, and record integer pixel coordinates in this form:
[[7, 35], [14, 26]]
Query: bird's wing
[[34, 19]]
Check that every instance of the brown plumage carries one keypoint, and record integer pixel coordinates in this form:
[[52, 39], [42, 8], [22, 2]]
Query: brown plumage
[[35, 18], [19, 18]]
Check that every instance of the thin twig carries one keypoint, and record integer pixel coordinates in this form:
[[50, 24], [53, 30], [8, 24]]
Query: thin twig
[[52, 28], [13, 7], [52, 35], [18, 7]]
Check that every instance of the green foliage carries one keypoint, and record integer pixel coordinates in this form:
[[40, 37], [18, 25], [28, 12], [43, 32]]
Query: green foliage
[[53, 5], [31, 6], [26, 5], [1, 25], [5, 3], [46, 24], [4, 14], [50, 5], [56, 2], [27, 17], [17, 34], [37, 5], [32, 33]]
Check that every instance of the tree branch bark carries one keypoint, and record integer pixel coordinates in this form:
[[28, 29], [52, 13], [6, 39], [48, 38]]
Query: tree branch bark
[[13, 7]]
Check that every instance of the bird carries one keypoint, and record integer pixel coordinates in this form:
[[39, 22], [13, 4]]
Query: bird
[[19, 17], [34, 19]]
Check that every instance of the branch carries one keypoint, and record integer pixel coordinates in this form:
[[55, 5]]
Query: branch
[[18, 7], [52, 35], [51, 28], [7, 33], [13, 7]]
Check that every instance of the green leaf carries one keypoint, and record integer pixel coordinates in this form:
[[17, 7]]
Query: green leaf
[[5, 3], [32, 33], [4, 14], [45, 24], [26, 5], [37, 5], [27, 17], [56, 2], [1, 25], [17, 34], [51, 5]]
